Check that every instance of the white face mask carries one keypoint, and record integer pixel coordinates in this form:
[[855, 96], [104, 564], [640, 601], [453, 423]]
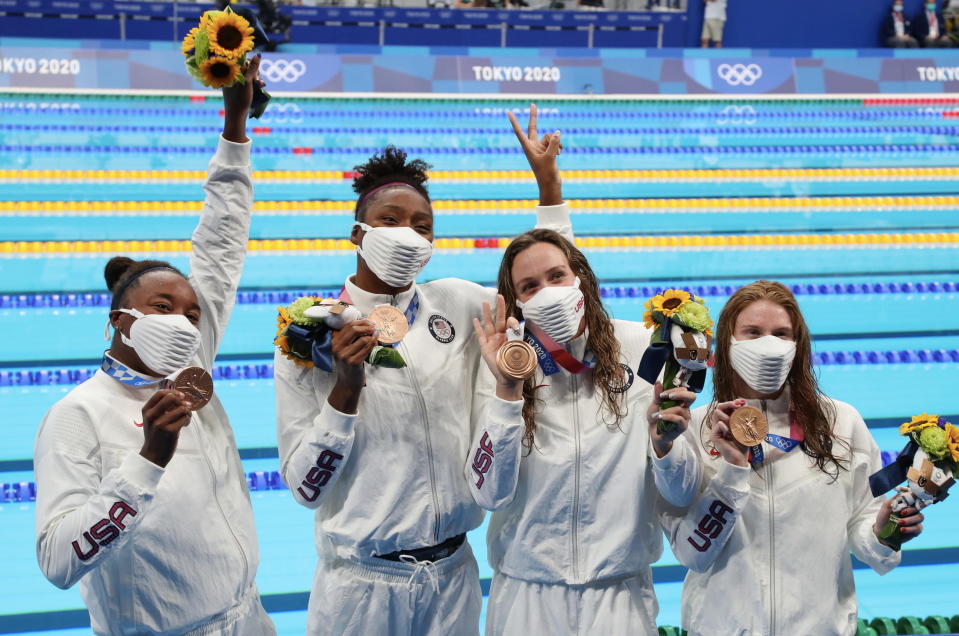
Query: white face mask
[[557, 310], [763, 363], [396, 255], [165, 343]]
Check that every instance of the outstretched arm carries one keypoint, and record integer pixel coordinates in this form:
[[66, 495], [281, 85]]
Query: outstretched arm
[[220, 239]]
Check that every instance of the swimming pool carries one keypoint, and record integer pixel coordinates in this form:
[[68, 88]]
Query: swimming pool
[[852, 203]]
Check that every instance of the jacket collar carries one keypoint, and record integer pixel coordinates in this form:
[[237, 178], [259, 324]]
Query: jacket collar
[[776, 409], [365, 301]]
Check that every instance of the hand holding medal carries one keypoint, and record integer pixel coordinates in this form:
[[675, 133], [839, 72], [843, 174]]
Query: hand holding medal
[[306, 326], [508, 357], [170, 409], [732, 446]]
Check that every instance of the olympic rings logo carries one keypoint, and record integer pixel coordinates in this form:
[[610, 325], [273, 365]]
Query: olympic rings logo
[[740, 74], [288, 113], [281, 70], [737, 114]]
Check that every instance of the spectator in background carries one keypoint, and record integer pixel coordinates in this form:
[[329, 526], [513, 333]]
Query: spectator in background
[[896, 29], [929, 27], [714, 20]]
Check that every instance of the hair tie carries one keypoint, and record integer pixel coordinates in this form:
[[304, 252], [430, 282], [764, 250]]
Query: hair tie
[[385, 185], [118, 294]]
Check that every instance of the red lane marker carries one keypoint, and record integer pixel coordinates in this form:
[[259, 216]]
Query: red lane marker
[[909, 101], [222, 112], [262, 130], [950, 114], [350, 174], [197, 98], [302, 151]]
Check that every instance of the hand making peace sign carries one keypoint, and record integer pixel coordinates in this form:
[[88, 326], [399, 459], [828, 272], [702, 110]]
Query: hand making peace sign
[[541, 152]]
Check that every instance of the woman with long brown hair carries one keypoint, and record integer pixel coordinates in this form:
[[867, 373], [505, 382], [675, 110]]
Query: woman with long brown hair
[[576, 475], [767, 540]]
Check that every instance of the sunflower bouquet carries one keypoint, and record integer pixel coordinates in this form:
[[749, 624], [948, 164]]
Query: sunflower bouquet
[[927, 464], [216, 50], [680, 344], [304, 333]]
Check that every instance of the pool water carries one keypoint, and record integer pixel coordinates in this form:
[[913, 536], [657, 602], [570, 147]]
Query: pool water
[[853, 204]]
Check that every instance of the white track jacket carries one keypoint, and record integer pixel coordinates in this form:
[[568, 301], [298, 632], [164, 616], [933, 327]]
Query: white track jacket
[[391, 476], [768, 549], [582, 506], [156, 550]]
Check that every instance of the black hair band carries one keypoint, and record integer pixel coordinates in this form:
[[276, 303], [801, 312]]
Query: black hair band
[[118, 294]]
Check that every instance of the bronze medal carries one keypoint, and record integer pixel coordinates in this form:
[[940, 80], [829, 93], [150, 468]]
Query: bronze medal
[[748, 425], [516, 360], [391, 325], [196, 384]]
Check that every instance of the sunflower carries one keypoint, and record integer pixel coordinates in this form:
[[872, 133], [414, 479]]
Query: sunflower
[[648, 320], [189, 42], [230, 34], [669, 302], [918, 423], [218, 72], [207, 18], [952, 441], [284, 320]]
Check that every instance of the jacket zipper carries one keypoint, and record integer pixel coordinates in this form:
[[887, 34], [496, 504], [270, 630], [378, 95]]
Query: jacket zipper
[[576, 457], [429, 443], [216, 497], [770, 491]]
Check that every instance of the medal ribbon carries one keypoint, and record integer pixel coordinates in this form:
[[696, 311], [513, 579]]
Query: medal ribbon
[[410, 312], [551, 354], [124, 375], [785, 444]]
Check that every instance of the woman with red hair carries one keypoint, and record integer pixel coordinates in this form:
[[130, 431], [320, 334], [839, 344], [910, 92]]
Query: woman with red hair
[[769, 536]]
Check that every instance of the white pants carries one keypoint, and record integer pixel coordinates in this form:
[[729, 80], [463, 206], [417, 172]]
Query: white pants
[[376, 596], [521, 608], [247, 618]]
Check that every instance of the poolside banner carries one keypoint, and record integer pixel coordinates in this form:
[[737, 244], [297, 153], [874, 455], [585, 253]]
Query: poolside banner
[[513, 72]]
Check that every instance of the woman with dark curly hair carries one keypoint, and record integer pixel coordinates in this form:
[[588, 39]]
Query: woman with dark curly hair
[[767, 540], [378, 452]]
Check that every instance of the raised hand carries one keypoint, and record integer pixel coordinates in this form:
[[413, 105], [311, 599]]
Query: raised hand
[[237, 100], [679, 415], [491, 335], [541, 152], [164, 415]]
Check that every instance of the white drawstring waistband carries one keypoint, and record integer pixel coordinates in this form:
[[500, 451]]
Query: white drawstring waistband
[[422, 566]]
